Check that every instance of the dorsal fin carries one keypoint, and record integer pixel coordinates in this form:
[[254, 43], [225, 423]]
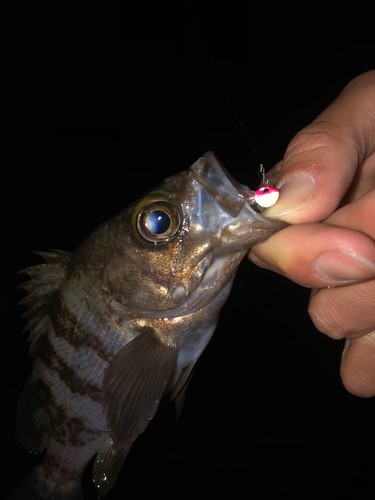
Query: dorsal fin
[[45, 281]]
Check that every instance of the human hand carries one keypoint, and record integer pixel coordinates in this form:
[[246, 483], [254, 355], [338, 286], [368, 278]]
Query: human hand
[[328, 174]]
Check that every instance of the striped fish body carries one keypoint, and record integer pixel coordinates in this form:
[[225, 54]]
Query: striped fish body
[[118, 325], [60, 408]]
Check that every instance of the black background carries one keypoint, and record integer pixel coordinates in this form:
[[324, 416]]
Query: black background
[[266, 415]]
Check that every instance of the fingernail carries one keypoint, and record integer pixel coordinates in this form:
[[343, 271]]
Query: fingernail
[[294, 194], [340, 267]]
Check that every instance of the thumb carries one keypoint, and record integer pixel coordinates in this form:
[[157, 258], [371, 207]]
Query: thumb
[[322, 159]]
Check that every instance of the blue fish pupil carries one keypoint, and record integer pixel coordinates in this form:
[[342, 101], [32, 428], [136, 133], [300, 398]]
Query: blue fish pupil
[[158, 222]]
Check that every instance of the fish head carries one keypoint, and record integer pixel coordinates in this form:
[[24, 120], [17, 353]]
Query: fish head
[[178, 246]]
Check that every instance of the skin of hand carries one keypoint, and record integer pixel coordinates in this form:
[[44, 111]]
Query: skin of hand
[[328, 175]]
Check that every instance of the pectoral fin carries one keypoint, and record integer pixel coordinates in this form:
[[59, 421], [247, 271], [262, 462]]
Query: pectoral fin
[[107, 465], [134, 384], [181, 388]]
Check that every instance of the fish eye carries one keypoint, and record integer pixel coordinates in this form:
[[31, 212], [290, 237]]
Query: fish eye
[[158, 222], [156, 218]]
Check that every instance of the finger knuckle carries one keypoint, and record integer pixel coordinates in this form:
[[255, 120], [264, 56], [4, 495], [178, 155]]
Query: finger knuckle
[[357, 366], [326, 315], [321, 135]]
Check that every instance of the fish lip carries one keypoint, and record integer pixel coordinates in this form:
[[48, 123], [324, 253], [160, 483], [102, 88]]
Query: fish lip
[[156, 279], [216, 180], [216, 164], [213, 281], [202, 268], [203, 265]]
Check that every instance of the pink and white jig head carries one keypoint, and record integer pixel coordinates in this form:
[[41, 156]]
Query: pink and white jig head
[[266, 196]]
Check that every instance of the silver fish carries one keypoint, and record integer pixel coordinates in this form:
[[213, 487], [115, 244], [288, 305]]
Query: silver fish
[[118, 325]]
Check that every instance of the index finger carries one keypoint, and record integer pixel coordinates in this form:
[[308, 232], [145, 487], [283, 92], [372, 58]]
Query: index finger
[[321, 160]]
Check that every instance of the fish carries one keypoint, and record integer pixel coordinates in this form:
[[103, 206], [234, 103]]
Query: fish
[[117, 326]]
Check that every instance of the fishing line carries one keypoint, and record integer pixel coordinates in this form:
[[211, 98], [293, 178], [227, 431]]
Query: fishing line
[[267, 195], [221, 85]]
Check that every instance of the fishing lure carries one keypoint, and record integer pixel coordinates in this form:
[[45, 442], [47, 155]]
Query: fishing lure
[[267, 195]]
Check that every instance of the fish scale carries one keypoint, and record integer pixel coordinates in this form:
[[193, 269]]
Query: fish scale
[[117, 326]]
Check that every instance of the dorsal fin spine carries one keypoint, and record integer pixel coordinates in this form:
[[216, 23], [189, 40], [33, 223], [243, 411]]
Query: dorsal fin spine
[[42, 287]]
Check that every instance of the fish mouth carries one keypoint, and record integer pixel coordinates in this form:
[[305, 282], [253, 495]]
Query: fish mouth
[[236, 225], [215, 278], [229, 194], [218, 210]]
